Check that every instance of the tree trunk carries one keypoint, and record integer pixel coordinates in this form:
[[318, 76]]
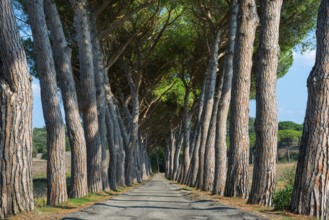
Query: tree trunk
[[208, 104], [178, 147], [56, 177], [167, 159], [66, 83], [310, 194], [16, 193], [223, 108], [172, 154], [99, 70], [209, 162], [237, 174], [88, 97], [266, 124], [187, 132]]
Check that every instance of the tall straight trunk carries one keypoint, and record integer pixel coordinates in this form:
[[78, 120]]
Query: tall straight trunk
[[132, 172], [167, 159], [237, 173], [209, 161], [194, 163], [16, 193], [186, 132], [115, 138], [88, 96], [56, 178], [99, 71], [208, 104], [66, 83], [178, 147], [223, 108], [172, 154], [310, 194], [266, 125]]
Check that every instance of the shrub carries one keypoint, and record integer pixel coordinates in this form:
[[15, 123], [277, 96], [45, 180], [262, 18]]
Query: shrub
[[282, 198]]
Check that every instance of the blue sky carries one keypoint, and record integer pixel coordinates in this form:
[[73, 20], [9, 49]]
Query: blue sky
[[291, 92]]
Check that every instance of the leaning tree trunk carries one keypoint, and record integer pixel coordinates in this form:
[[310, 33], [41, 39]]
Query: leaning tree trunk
[[56, 178], [167, 159], [16, 193], [223, 108], [88, 96], [178, 147], [266, 125], [186, 132], [237, 173], [66, 83], [310, 194], [208, 104]]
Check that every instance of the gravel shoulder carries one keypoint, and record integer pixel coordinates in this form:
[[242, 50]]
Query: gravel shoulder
[[158, 199]]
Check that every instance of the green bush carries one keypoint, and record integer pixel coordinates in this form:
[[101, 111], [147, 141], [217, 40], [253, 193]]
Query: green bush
[[282, 198]]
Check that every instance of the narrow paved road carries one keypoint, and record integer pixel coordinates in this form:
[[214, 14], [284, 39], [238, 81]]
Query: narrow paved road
[[158, 199]]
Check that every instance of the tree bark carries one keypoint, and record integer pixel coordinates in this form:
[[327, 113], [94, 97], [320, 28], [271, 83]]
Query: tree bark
[[237, 174], [208, 104], [266, 124], [16, 193], [99, 71], [62, 54], [310, 194], [88, 97], [56, 177], [223, 108]]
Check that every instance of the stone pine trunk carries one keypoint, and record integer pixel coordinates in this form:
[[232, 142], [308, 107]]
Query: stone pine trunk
[[237, 173], [88, 96], [208, 103], [56, 177], [62, 55], [16, 193], [310, 194], [223, 108], [266, 125]]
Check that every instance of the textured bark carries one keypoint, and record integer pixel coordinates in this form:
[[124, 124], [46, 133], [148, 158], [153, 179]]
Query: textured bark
[[310, 194], [167, 160], [223, 108], [178, 147], [62, 54], [99, 71], [237, 173], [208, 104], [194, 167], [132, 169], [16, 193], [266, 125], [187, 132], [56, 178], [115, 138], [88, 96], [172, 154]]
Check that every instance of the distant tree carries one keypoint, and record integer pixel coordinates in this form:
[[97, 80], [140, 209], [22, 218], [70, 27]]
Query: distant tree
[[289, 125]]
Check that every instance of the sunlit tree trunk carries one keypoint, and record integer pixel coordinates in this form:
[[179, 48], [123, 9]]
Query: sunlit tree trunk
[[237, 173], [62, 54], [266, 125], [16, 193], [56, 177], [223, 108], [310, 194], [88, 96]]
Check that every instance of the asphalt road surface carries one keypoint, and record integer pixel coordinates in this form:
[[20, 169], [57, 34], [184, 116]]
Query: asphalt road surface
[[158, 199]]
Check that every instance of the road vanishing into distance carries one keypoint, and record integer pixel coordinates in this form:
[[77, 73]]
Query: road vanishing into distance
[[158, 199]]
